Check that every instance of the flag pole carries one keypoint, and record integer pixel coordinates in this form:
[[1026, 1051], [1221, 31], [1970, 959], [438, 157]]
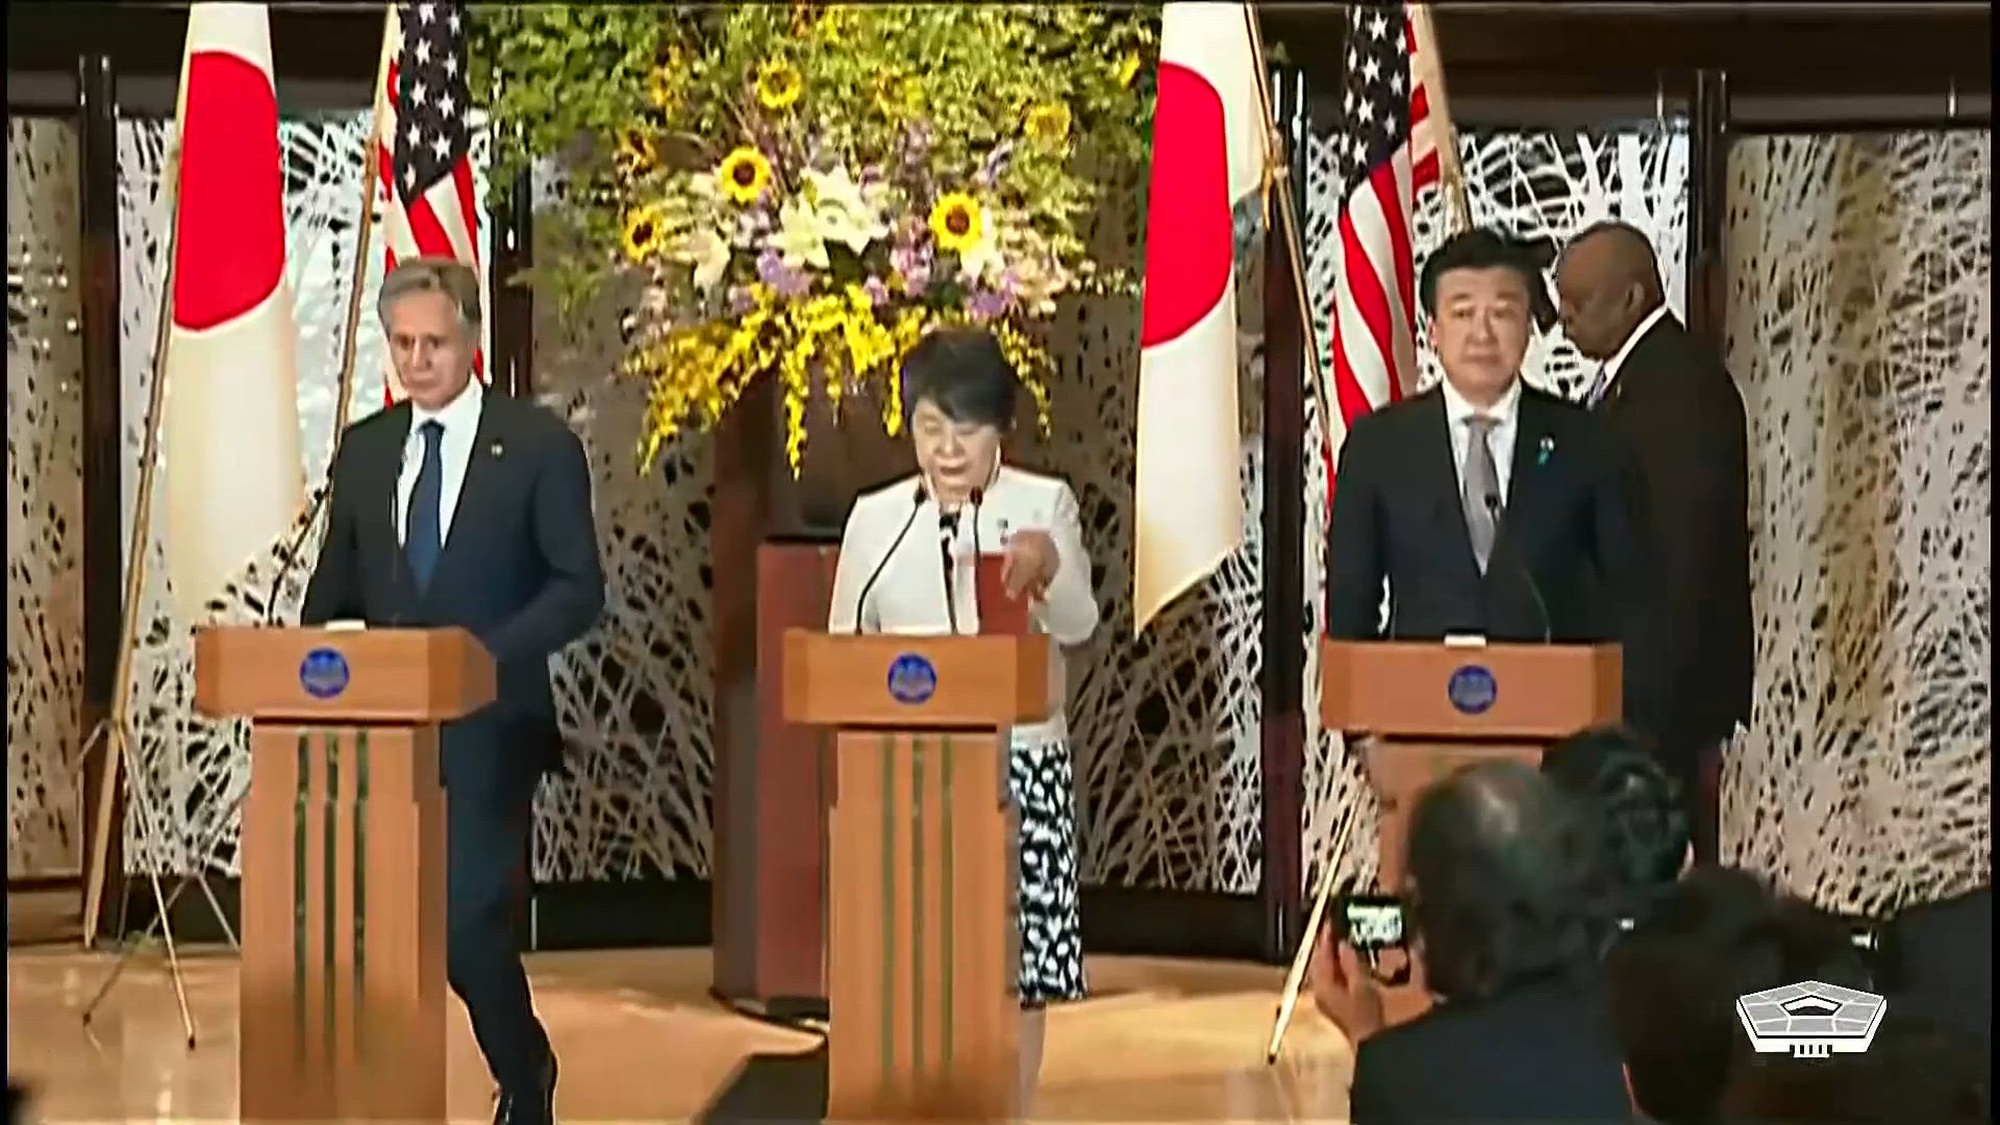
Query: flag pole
[[1276, 167], [371, 180], [1451, 174], [119, 752], [1451, 171]]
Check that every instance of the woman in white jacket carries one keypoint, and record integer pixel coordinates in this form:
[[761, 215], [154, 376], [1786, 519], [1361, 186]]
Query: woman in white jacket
[[960, 395]]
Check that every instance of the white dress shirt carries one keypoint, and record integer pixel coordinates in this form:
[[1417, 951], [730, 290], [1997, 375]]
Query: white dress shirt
[[1609, 373], [1506, 415], [909, 595], [460, 419]]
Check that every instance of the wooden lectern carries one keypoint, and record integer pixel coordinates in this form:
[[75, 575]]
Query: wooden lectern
[[923, 948], [1434, 707], [343, 853]]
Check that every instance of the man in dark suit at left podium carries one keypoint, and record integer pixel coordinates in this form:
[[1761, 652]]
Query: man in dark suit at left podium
[[461, 507]]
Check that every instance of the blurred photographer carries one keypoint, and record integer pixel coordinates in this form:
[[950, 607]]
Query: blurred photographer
[[1716, 935], [1508, 906]]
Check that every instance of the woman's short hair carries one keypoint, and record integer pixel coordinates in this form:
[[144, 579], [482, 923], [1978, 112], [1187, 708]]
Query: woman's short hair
[[965, 374], [1635, 804]]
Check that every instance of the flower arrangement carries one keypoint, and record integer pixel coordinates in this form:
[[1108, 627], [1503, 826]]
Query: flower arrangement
[[805, 190]]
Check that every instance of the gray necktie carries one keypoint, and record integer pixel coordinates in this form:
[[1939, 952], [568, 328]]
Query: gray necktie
[[1598, 386], [1481, 488]]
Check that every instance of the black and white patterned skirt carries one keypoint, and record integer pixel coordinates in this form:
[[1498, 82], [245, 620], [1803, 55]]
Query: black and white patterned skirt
[[1043, 788]]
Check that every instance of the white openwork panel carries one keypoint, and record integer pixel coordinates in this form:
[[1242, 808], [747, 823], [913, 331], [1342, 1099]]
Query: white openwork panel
[[1528, 184], [1860, 327], [44, 496], [193, 772], [636, 695]]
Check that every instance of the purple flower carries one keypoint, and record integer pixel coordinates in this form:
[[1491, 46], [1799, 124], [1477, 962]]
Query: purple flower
[[740, 300], [876, 290], [985, 306], [994, 165], [783, 279], [912, 258]]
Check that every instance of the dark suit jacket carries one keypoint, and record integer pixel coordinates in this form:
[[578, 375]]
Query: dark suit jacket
[[519, 571], [1679, 412], [1938, 959], [1540, 1053], [1568, 561]]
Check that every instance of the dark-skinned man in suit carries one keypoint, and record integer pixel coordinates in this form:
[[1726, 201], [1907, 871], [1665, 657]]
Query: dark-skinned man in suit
[[1674, 405], [461, 507], [1489, 508]]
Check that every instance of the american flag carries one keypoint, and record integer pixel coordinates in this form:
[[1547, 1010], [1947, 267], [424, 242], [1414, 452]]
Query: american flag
[[1388, 155], [424, 145]]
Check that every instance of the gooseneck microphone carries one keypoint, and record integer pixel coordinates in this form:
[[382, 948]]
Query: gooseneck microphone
[[868, 587], [973, 501], [1527, 576], [947, 536]]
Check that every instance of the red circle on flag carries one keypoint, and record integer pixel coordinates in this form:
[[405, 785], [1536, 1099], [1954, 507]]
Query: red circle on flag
[[1190, 236], [229, 240]]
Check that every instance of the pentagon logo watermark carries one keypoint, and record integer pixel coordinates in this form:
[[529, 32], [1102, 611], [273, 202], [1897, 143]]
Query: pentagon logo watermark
[[1810, 1020]]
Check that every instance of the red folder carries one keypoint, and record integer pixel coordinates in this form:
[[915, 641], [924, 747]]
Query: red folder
[[998, 614]]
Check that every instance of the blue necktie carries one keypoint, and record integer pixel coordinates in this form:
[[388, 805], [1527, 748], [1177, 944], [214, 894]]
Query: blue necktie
[[1602, 384], [423, 532]]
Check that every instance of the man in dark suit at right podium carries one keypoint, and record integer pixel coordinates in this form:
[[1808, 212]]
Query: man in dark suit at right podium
[[1488, 508]]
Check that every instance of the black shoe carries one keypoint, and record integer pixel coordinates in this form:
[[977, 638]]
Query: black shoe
[[529, 1107]]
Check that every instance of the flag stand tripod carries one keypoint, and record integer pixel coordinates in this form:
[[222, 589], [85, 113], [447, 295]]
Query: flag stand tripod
[[122, 755], [122, 752]]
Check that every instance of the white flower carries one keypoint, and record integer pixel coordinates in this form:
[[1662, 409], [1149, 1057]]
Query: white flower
[[708, 253], [801, 236], [848, 214]]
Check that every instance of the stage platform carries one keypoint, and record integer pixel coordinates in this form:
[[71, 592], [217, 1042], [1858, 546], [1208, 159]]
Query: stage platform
[[640, 1040]]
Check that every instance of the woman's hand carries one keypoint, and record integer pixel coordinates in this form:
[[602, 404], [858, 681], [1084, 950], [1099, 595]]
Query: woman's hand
[[1030, 564]]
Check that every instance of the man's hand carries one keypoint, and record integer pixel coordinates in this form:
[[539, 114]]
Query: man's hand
[[1030, 565], [1343, 990]]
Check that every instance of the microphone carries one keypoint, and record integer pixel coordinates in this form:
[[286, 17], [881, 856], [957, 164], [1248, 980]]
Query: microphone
[[977, 495], [294, 549], [868, 587], [947, 535], [399, 562], [1527, 576]]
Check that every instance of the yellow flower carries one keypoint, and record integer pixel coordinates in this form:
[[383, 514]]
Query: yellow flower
[[636, 152], [644, 231], [744, 174], [887, 83], [1048, 123], [957, 222], [779, 84], [1128, 68]]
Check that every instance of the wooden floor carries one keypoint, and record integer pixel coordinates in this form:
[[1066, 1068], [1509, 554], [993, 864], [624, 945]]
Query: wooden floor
[[640, 1040]]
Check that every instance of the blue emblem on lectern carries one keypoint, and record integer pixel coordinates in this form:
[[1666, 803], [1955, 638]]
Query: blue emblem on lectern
[[1472, 690], [323, 673], [912, 679]]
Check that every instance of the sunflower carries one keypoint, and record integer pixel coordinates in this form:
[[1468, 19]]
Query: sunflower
[[636, 152], [744, 174], [660, 87], [1128, 68], [644, 233], [779, 84], [1048, 123], [957, 222]]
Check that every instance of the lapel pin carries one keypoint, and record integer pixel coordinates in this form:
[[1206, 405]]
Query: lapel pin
[[1542, 452], [498, 449]]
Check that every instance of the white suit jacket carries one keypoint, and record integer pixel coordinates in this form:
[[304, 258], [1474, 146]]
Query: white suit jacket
[[909, 595]]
